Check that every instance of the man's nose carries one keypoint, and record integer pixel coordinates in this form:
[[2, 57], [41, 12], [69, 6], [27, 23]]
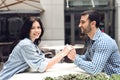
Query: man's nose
[[79, 25]]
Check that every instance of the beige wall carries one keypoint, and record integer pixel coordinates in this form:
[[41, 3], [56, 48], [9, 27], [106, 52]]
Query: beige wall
[[117, 22], [53, 21]]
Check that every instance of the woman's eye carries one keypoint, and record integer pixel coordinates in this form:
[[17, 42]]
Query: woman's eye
[[38, 27], [32, 28]]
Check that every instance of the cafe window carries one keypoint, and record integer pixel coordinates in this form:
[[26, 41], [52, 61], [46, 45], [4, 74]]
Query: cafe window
[[88, 3], [10, 28]]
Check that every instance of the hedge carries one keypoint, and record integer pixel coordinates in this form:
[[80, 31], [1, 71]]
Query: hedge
[[100, 76]]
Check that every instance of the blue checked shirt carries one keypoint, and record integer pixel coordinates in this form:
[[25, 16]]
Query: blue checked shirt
[[102, 56], [24, 55]]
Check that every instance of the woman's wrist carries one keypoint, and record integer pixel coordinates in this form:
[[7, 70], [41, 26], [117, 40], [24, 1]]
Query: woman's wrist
[[63, 54]]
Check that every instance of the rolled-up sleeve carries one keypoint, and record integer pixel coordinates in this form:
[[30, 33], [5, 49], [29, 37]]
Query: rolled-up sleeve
[[34, 58]]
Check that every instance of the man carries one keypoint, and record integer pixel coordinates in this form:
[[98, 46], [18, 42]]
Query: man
[[102, 54]]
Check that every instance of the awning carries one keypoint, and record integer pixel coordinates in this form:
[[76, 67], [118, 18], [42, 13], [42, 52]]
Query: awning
[[11, 7], [5, 13]]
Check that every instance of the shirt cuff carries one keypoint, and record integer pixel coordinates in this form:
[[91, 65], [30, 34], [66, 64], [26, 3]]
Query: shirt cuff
[[76, 59], [43, 66]]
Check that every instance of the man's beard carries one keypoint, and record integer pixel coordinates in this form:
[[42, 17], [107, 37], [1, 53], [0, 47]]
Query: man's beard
[[84, 32]]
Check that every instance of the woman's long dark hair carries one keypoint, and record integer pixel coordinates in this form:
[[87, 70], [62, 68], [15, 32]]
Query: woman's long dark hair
[[25, 31]]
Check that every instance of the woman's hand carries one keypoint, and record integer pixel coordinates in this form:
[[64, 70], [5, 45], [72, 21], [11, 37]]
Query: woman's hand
[[67, 49]]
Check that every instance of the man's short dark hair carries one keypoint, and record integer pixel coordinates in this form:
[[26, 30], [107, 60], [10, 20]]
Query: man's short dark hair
[[93, 16]]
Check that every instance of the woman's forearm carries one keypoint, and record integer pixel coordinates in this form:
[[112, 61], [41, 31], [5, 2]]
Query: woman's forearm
[[55, 59]]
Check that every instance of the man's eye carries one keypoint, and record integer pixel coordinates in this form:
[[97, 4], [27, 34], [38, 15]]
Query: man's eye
[[82, 22]]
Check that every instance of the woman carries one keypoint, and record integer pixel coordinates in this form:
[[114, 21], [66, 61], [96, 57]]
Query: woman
[[25, 52]]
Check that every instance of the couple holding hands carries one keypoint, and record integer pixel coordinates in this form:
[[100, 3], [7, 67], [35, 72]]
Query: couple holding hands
[[102, 54]]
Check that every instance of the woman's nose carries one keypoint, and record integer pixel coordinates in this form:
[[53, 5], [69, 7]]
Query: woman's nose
[[36, 30]]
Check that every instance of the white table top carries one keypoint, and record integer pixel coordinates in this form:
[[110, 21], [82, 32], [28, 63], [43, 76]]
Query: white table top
[[78, 46], [58, 69]]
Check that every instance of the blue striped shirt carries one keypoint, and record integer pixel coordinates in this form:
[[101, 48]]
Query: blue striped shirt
[[102, 56], [25, 54]]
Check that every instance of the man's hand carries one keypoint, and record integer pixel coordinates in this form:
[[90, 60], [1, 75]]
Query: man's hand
[[72, 54]]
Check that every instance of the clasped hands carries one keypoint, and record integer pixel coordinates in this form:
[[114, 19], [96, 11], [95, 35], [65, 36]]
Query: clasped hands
[[69, 51]]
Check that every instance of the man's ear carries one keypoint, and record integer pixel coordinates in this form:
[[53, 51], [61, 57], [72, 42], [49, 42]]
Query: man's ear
[[93, 23]]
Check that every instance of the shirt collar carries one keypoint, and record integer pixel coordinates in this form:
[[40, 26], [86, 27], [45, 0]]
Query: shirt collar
[[95, 37], [97, 34]]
